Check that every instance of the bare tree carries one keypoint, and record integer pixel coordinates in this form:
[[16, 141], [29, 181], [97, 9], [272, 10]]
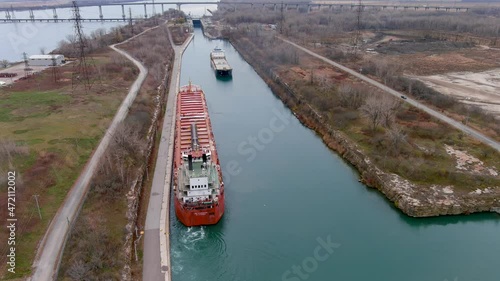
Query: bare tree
[[78, 270], [42, 50], [380, 109], [372, 110], [397, 138], [4, 63], [350, 96], [384, 69], [121, 156], [98, 36], [390, 107], [71, 38]]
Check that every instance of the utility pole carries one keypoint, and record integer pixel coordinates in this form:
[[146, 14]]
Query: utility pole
[[37, 205], [54, 68]]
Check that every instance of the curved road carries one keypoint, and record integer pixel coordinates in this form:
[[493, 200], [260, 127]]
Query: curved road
[[49, 255], [413, 102]]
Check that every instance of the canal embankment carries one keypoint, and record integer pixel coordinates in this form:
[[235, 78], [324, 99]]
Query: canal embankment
[[211, 30], [286, 191], [121, 183], [416, 199], [156, 257]]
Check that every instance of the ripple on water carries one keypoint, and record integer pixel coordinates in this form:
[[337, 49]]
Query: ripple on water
[[195, 242]]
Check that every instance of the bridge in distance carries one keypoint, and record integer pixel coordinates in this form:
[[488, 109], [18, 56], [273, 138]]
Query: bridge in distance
[[10, 12]]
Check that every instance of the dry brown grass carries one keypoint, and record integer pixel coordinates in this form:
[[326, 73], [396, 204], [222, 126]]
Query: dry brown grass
[[99, 252]]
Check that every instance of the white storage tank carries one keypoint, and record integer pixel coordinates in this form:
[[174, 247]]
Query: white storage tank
[[46, 60]]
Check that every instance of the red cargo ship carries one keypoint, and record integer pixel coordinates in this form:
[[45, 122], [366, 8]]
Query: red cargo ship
[[198, 186]]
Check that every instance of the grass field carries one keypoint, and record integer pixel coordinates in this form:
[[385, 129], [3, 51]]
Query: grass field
[[58, 127], [98, 246]]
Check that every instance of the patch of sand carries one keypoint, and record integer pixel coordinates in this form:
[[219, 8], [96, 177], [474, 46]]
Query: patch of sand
[[479, 88]]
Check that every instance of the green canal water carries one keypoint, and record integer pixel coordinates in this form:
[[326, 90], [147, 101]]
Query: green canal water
[[295, 210]]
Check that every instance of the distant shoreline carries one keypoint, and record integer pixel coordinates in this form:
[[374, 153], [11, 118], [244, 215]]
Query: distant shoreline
[[42, 5]]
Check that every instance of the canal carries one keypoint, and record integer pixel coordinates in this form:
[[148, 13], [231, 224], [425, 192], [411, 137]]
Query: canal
[[295, 210]]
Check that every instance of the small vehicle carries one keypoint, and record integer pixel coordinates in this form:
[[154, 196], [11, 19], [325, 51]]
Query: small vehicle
[[403, 97]]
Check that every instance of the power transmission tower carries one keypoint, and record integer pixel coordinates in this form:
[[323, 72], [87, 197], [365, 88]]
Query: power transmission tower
[[154, 13], [27, 69], [282, 18], [130, 23], [82, 70], [357, 34], [13, 15]]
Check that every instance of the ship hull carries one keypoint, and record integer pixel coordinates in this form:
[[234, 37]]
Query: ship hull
[[192, 111], [199, 217], [221, 72]]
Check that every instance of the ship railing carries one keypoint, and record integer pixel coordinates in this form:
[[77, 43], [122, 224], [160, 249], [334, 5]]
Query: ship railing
[[199, 208], [199, 205]]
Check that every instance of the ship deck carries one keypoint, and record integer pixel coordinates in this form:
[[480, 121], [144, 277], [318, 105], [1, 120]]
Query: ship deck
[[192, 108], [221, 64], [197, 171]]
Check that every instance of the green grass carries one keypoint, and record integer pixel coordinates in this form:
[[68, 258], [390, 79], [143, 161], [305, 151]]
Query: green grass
[[20, 131], [23, 162], [59, 123], [18, 106]]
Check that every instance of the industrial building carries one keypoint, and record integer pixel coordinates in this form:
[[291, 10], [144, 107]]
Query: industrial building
[[46, 60]]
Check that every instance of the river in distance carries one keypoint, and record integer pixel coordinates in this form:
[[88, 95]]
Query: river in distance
[[31, 37], [296, 211]]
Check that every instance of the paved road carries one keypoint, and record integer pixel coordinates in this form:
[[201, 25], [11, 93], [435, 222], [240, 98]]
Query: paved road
[[156, 264], [413, 102], [48, 258]]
